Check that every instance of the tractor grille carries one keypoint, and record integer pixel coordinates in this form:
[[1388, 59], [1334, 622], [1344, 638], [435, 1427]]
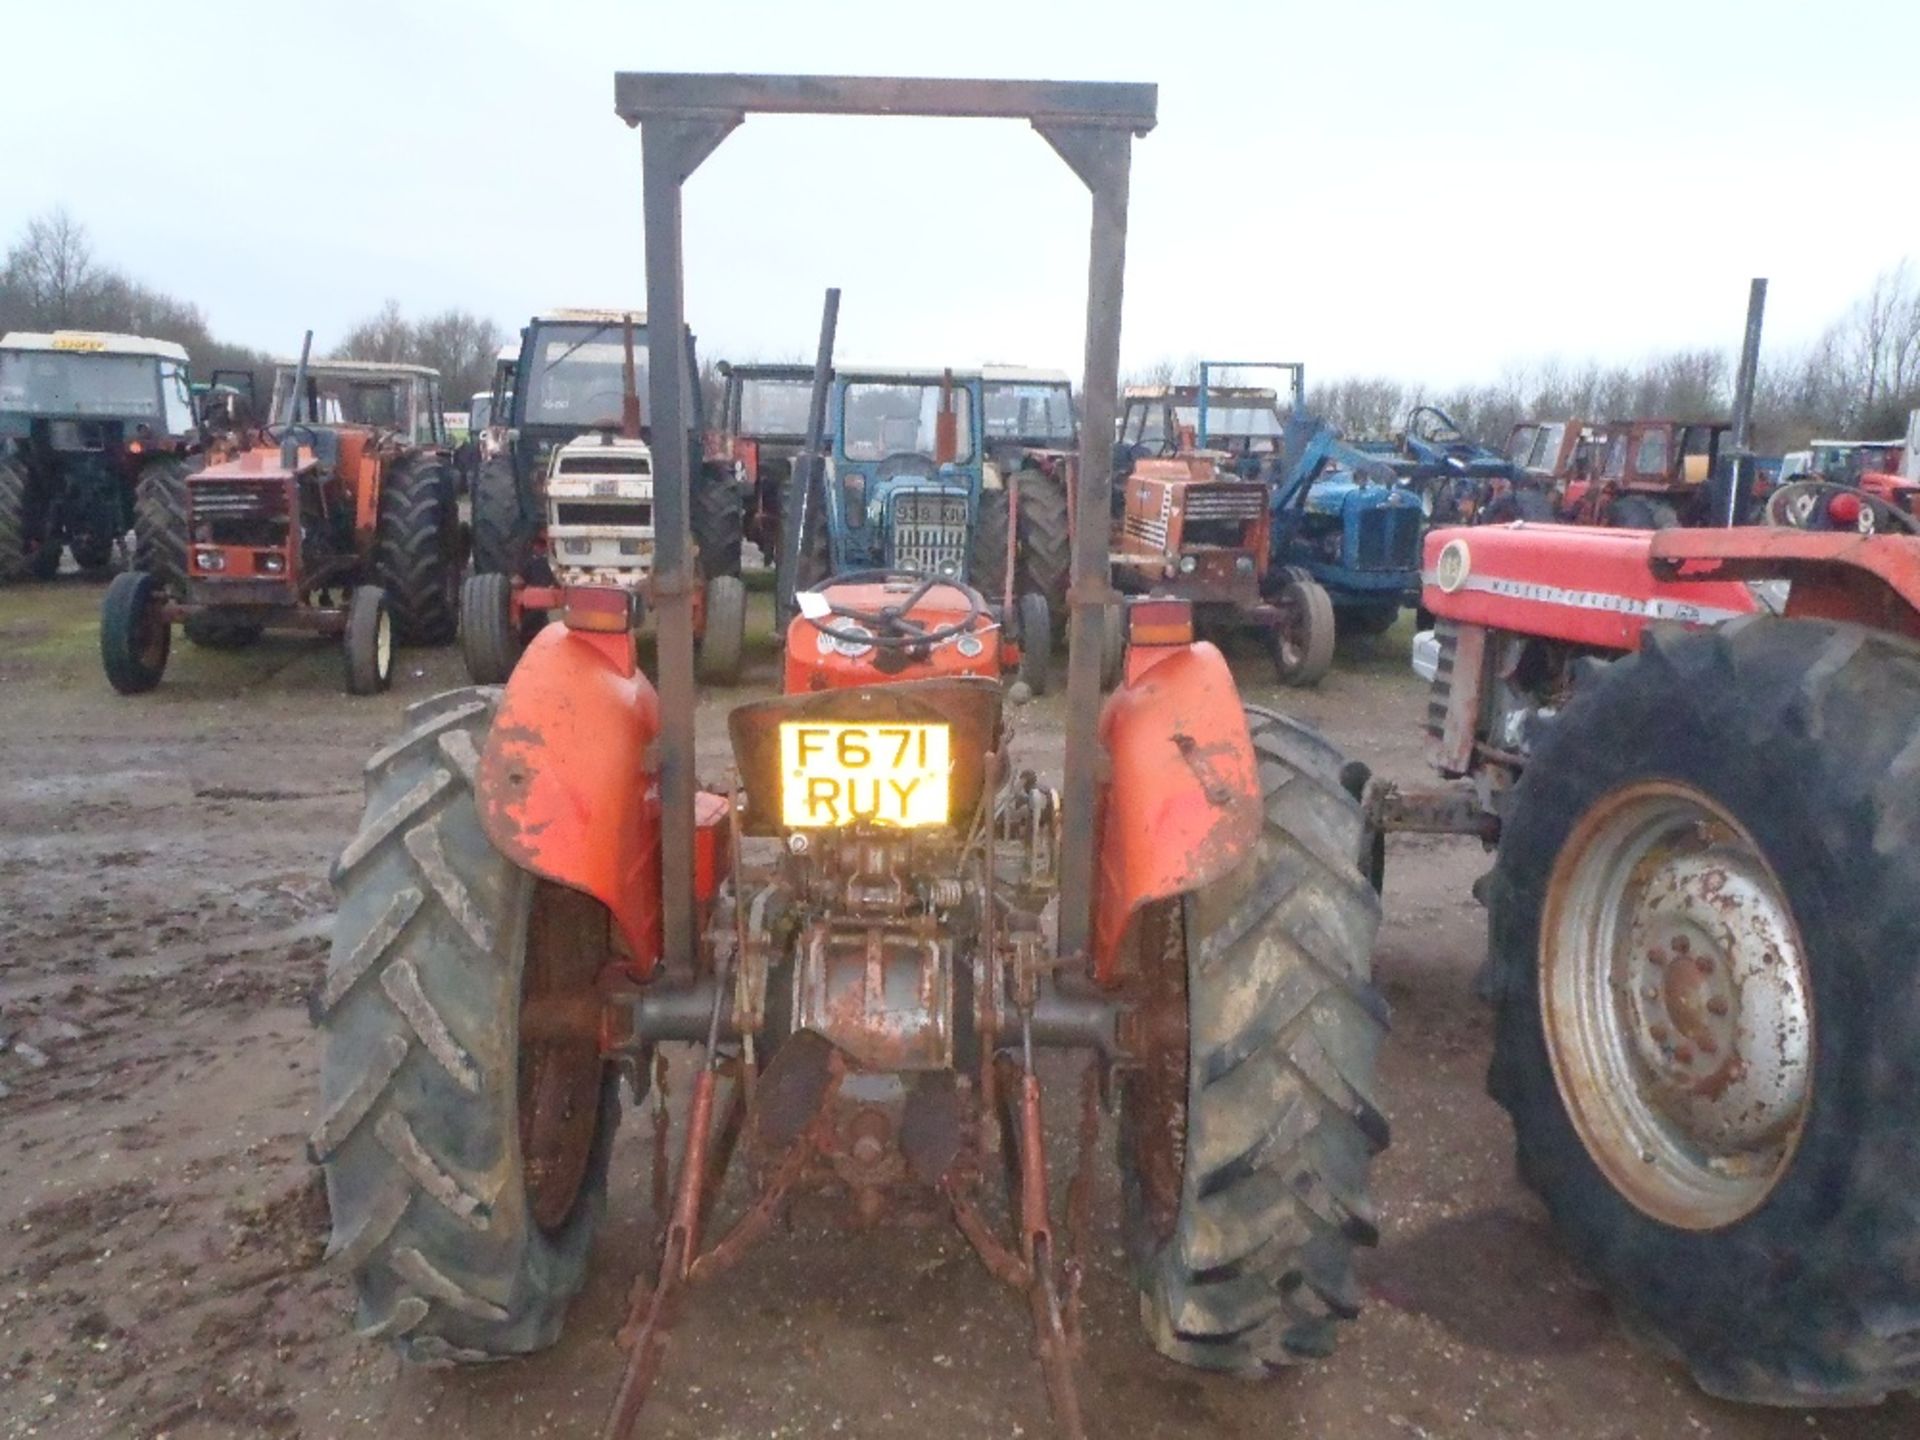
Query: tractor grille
[[1225, 502], [603, 512], [237, 500], [597, 463], [930, 532], [1389, 538], [1150, 530]]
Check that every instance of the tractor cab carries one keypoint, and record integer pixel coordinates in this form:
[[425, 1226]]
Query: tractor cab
[[1025, 411], [1242, 422], [763, 426], [904, 472], [403, 400], [84, 416], [1648, 474]]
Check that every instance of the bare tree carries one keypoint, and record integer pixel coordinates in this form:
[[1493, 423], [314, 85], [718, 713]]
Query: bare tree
[[50, 275]]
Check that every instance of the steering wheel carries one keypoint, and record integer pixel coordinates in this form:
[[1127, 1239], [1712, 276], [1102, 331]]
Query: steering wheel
[[1807, 505], [891, 627]]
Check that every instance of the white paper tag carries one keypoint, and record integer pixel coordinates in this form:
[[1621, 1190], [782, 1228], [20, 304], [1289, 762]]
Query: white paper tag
[[813, 605]]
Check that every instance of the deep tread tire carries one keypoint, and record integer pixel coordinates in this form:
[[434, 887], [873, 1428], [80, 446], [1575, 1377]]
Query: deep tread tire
[[1036, 642], [368, 643], [718, 521], [723, 637], [134, 641], [501, 534], [1281, 1123], [1046, 544], [17, 550], [488, 641], [1806, 732], [417, 549], [160, 523], [987, 550], [419, 1010]]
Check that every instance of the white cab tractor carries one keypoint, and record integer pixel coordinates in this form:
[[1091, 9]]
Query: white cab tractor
[[599, 539]]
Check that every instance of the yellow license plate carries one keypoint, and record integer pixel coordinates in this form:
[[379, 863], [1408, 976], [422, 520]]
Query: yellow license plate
[[834, 774]]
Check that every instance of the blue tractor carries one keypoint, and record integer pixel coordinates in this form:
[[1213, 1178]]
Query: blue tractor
[[905, 484], [1344, 518]]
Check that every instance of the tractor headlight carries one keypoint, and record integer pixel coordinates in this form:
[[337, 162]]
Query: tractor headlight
[[272, 562], [1244, 564], [1188, 564], [210, 560]]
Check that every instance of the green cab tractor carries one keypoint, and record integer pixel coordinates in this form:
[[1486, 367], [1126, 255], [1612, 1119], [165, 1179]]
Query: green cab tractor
[[97, 434]]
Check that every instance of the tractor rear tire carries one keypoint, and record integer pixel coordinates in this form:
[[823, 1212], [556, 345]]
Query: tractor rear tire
[[212, 631], [489, 642], [723, 637], [367, 646], [20, 544], [135, 639], [1303, 640], [1780, 1264], [502, 538], [417, 547], [1046, 543], [1036, 642], [718, 520], [1247, 1132], [457, 1248], [160, 523], [987, 551]]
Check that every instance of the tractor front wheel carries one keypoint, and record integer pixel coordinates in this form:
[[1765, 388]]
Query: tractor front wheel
[[489, 641], [465, 1149], [135, 635], [724, 634], [1036, 641], [1701, 928], [1302, 640], [1247, 1131], [368, 642]]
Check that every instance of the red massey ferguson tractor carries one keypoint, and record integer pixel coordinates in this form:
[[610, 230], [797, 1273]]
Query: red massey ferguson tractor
[[869, 931], [1695, 752]]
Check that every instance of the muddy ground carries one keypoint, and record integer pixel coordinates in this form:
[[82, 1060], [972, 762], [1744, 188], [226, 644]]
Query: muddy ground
[[164, 908]]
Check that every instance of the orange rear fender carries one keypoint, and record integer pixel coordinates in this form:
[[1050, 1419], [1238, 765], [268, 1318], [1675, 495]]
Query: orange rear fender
[[563, 786], [1181, 807]]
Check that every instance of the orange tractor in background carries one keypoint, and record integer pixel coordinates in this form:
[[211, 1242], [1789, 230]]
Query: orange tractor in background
[[870, 928], [334, 529]]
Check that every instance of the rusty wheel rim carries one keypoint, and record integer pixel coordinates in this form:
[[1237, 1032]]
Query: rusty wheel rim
[[151, 640], [1154, 1092], [1677, 1005], [559, 1075]]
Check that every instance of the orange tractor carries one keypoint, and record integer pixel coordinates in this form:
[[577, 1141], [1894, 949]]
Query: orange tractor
[[870, 930], [331, 529]]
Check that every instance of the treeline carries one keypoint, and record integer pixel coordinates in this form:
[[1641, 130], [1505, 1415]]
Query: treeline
[[1860, 379], [51, 279]]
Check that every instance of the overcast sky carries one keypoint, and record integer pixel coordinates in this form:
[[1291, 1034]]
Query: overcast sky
[[1433, 191]]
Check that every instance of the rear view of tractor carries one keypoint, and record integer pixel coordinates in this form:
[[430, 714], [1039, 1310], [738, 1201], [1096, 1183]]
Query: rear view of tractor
[[763, 427], [97, 434], [1701, 920], [330, 528], [871, 927]]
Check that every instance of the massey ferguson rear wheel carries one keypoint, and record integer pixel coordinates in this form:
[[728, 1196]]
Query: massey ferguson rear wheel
[[1046, 546], [1247, 1131], [466, 1159], [417, 550], [718, 521], [160, 523], [501, 536], [1702, 925]]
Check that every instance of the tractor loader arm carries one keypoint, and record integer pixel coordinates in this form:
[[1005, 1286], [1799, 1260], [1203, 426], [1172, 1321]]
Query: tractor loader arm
[[564, 784], [1182, 802]]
